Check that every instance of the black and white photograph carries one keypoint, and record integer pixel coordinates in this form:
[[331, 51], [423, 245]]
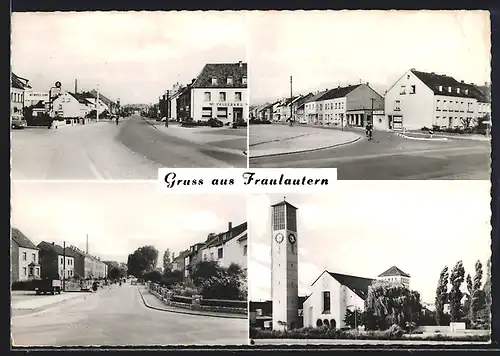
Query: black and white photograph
[[92, 266], [405, 268], [117, 95], [379, 95]]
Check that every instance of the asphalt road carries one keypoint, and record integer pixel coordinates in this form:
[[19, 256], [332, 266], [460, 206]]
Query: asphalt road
[[102, 151], [390, 156], [118, 317]]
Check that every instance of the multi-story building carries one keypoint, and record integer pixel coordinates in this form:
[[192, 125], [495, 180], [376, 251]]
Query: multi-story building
[[18, 86], [178, 263], [105, 102], [56, 261], [88, 266], [298, 108], [25, 263], [192, 257], [311, 108], [183, 103], [421, 99], [395, 275], [220, 91], [173, 95], [228, 247], [71, 106]]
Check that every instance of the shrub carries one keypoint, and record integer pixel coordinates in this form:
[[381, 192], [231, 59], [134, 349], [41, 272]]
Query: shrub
[[224, 303], [394, 332], [24, 285], [181, 299], [189, 292]]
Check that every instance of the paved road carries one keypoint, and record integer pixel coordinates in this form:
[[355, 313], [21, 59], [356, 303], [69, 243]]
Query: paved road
[[118, 317], [390, 156], [133, 150], [359, 342]]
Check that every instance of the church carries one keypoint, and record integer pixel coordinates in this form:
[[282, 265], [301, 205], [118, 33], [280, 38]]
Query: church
[[332, 294]]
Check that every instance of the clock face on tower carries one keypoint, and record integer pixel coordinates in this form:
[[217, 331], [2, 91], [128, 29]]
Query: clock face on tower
[[292, 239], [279, 238]]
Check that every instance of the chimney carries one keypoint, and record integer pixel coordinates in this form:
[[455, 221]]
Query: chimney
[[368, 83], [76, 86], [229, 226], [462, 82], [433, 73], [53, 243], [240, 64]]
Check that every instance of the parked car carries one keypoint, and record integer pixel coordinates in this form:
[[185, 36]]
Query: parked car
[[18, 123], [48, 285]]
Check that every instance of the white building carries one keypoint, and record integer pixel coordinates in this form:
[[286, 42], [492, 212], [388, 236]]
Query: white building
[[71, 105], [173, 95], [420, 99], [284, 266], [220, 91], [332, 294], [312, 108], [18, 87], [24, 257], [395, 275], [228, 247]]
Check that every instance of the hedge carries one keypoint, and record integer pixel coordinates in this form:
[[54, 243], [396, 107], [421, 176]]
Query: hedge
[[239, 304], [24, 285], [181, 299], [259, 122]]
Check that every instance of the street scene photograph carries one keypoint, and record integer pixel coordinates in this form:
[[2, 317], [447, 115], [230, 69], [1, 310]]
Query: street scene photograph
[[402, 95], [92, 266], [117, 95], [398, 271]]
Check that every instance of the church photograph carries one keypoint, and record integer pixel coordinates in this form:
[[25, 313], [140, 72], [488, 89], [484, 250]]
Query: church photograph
[[364, 264]]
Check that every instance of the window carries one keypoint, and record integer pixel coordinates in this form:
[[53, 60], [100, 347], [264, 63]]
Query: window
[[458, 90], [33, 257], [412, 89], [449, 89], [25, 257], [220, 252], [244, 80], [222, 96], [291, 219], [326, 302], [438, 105], [62, 260], [403, 90], [207, 96], [462, 106], [469, 107], [397, 105], [222, 113], [24, 271], [214, 81], [245, 250], [440, 88], [37, 271], [279, 217], [206, 112], [211, 256], [230, 80], [237, 96], [445, 108], [466, 91]]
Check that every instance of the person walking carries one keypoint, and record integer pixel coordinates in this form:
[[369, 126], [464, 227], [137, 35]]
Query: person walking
[[369, 131], [117, 120]]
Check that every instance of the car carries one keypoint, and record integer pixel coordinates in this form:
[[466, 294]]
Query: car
[[18, 123]]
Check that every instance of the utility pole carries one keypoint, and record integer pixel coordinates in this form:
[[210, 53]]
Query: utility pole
[[291, 100], [87, 245], [372, 100], [167, 107], [97, 104], [64, 266]]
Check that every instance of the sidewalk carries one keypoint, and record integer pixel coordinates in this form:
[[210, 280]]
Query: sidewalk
[[473, 137], [152, 302], [26, 304], [281, 139]]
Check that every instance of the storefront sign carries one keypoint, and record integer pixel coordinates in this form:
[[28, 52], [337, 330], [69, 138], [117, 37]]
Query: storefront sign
[[227, 104], [36, 96]]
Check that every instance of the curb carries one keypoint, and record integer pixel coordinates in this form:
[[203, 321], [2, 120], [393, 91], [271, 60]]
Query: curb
[[278, 140], [422, 138], [189, 312], [309, 150], [45, 307], [460, 138]]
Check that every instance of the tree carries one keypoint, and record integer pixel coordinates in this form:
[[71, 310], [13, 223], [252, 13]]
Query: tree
[[144, 259], [354, 318], [167, 260], [478, 300], [456, 279], [391, 303], [467, 303], [216, 282], [485, 313], [171, 278], [441, 295], [152, 276]]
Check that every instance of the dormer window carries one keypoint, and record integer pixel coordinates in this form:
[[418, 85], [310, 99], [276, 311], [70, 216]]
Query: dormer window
[[230, 80], [440, 88], [449, 89], [244, 80], [458, 90], [466, 91], [214, 81]]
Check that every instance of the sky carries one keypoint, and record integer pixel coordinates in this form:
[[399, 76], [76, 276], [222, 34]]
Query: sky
[[133, 56], [362, 228], [324, 49], [117, 223]]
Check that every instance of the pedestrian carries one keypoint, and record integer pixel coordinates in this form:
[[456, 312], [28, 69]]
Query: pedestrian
[[117, 119], [369, 130]]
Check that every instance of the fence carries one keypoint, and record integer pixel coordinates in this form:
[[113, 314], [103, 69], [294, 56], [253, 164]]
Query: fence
[[196, 302]]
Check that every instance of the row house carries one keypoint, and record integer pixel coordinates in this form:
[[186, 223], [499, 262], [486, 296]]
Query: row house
[[25, 262], [277, 109], [228, 247], [178, 263], [105, 103], [221, 92], [311, 107], [18, 87], [56, 261], [287, 108], [88, 266], [192, 257], [421, 99], [298, 108], [71, 106]]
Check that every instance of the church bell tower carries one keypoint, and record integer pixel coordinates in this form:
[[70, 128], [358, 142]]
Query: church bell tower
[[284, 266]]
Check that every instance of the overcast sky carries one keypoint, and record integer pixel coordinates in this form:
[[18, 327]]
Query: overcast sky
[[323, 49], [133, 56], [120, 217], [365, 227]]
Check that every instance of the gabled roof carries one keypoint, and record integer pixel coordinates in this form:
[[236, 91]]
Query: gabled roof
[[82, 99], [433, 81], [235, 231], [394, 271], [104, 99], [359, 285], [19, 82], [339, 92], [316, 97], [303, 99], [22, 240], [51, 246], [222, 71], [39, 105], [284, 202]]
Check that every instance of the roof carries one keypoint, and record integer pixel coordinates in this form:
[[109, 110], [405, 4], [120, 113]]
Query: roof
[[82, 99], [486, 90], [39, 105], [302, 100], [284, 202], [338, 92], [104, 99], [22, 240], [358, 285], [44, 245], [222, 71], [433, 81], [394, 271], [19, 82], [315, 97], [234, 232]]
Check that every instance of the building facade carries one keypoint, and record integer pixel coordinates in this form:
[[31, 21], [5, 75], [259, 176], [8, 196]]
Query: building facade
[[88, 266], [56, 261], [70, 105], [420, 99], [284, 266], [228, 247], [25, 262], [312, 108], [18, 87], [395, 275], [183, 103], [220, 91]]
